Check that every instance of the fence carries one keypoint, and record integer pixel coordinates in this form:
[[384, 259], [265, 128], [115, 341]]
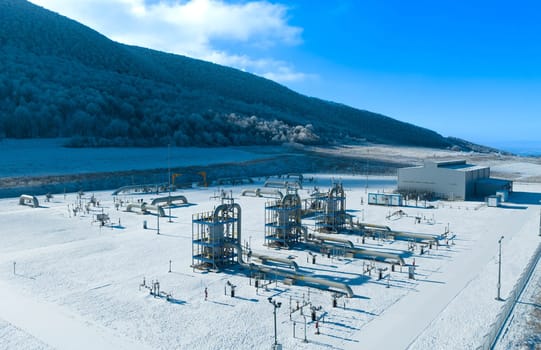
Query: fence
[[490, 338]]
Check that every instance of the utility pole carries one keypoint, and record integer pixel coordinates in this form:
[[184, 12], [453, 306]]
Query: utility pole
[[276, 306], [499, 268]]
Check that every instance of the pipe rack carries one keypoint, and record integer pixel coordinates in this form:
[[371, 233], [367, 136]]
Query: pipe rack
[[342, 287], [169, 200]]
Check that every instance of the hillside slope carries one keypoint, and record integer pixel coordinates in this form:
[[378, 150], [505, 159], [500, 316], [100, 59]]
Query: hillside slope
[[59, 78]]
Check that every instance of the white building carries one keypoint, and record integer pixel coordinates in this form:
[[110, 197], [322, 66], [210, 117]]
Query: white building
[[450, 180]]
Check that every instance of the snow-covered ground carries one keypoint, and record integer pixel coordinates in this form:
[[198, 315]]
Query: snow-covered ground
[[523, 328], [66, 282]]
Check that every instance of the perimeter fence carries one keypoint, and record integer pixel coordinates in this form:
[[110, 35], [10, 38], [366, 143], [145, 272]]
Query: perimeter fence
[[490, 338]]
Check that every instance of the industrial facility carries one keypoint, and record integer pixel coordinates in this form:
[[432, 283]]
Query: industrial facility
[[452, 180], [327, 270]]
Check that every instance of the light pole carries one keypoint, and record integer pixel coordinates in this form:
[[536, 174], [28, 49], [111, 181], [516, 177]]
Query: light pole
[[499, 268], [305, 340], [276, 306], [157, 222]]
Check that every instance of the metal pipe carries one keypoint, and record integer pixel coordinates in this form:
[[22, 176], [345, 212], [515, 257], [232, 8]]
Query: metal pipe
[[352, 249], [271, 192], [376, 253], [31, 199], [292, 275], [169, 200], [333, 239], [130, 206], [337, 285], [289, 262], [337, 191], [159, 210], [420, 236], [251, 192], [362, 225], [146, 188], [226, 207]]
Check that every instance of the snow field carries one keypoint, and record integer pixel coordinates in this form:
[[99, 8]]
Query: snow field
[[88, 278]]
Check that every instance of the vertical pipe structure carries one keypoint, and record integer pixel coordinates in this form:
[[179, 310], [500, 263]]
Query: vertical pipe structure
[[213, 236], [283, 221], [333, 216]]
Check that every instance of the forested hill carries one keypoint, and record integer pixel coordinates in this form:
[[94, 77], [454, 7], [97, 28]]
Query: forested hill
[[59, 78]]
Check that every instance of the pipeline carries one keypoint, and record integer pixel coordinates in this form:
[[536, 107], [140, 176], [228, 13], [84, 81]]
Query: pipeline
[[351, 249], [159, 210], [28, 199], [261, 192], [283, 184], [255, 193], [309, 238], [264, 258], [333, 239], [169, 200], [277, 184], [406, 235], [416, 236], [377, 254], [148, 188], [271, 193], [130, 206], [363, 225], [145, 208], [224, 208], [291, 275]]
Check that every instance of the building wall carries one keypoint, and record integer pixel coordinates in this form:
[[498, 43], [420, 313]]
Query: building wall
[[487, 188], [446, 183], [471, 178]]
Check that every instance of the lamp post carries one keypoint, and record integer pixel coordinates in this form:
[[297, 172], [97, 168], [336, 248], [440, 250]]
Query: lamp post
[[305, 340], [276, 306], [499, 268]]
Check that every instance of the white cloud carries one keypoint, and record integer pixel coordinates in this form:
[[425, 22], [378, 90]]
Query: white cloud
[[192, 27], [269, 68]]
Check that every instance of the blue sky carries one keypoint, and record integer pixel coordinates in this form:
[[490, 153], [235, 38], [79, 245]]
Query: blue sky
[[470, 69]]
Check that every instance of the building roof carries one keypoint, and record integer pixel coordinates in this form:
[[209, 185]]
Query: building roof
[[459, 165], [447, 163]]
